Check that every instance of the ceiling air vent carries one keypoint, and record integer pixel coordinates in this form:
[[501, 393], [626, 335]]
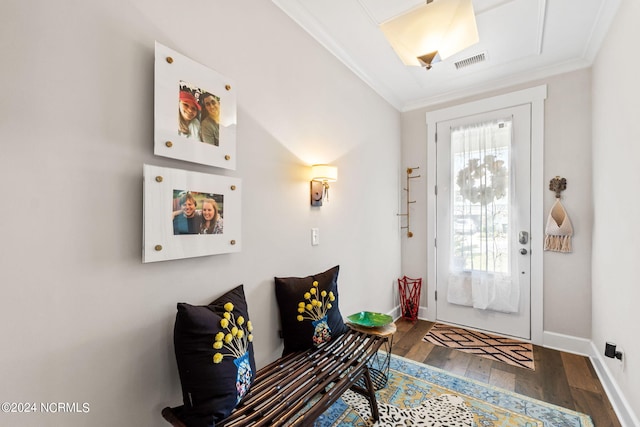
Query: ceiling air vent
[[480, 57]]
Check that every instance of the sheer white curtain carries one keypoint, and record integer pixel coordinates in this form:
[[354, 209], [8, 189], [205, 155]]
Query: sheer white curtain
[[480, 273]]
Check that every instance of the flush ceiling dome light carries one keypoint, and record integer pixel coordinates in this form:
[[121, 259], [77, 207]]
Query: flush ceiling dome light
[[433, 31]]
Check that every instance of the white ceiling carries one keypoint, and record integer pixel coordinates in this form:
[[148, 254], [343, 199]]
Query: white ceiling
[[522, 40]]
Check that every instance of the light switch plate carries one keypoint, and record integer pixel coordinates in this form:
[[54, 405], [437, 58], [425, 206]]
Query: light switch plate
[[315, 236]]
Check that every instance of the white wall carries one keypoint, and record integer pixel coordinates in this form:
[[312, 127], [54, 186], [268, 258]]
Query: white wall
[[616, 150], [567, 152], [81, 318]]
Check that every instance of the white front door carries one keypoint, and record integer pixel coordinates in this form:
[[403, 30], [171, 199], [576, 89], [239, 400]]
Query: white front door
[[483, 216]]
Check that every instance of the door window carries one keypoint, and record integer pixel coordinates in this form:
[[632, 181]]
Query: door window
[[480, 270]]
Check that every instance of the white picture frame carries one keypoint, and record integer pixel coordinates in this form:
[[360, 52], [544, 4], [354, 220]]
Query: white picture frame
[[163, 237], [175, 75]]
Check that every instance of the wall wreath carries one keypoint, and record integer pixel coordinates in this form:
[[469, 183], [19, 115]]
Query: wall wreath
[[483, 182]]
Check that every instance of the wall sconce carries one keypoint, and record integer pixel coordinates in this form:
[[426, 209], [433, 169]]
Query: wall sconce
[[321, 176]]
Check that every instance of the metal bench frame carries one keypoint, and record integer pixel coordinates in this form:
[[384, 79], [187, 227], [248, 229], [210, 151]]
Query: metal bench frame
[[296, 389]]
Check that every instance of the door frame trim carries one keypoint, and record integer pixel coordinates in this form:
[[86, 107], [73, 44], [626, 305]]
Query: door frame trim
[[534, 96]]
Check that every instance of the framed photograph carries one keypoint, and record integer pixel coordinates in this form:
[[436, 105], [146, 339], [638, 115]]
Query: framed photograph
[[194, 111], [189, 214]]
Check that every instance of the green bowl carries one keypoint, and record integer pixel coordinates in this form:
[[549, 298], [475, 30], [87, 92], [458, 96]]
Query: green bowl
[[369, 319]]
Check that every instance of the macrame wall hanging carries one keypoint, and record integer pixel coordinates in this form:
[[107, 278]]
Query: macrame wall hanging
[[559, 230]]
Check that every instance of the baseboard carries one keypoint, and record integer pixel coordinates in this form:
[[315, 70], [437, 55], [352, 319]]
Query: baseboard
[[422, 314], [396, 313], [567, 343], [587, 348], [620, 404]]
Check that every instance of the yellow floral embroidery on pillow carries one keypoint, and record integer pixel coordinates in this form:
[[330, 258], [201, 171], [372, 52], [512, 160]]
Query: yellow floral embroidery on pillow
[[314, 308], [235, 336], [317, 304]]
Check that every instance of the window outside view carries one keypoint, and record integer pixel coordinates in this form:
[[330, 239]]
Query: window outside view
[[481, 197]]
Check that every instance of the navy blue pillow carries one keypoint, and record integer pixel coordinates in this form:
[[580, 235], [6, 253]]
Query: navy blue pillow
[[214, 374], [309, 312]]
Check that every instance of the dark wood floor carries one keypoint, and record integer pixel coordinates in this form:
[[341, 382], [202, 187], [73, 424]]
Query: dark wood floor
[[560, 378]]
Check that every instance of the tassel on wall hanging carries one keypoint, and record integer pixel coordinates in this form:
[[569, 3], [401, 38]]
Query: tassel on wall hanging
[[559, 230]]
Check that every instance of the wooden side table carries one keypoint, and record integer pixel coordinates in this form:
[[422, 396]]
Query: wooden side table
[[379, 363]]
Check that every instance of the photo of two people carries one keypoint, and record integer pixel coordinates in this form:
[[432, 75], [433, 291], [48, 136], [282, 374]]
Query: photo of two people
[[197, 213], [198, 114]]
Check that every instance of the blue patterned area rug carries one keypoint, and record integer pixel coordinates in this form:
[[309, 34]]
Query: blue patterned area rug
[[422, 395]]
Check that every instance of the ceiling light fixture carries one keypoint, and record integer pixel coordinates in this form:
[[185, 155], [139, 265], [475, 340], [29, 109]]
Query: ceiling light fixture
[[432, 32]]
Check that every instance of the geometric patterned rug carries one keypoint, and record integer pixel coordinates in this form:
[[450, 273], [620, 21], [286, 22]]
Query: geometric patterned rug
[[412, 386], [494, 347]]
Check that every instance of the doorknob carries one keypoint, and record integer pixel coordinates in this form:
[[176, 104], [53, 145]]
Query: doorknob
[[523, 237], [523, 251]]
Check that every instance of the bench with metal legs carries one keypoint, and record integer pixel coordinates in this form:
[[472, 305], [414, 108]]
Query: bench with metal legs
[[296, 389]]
